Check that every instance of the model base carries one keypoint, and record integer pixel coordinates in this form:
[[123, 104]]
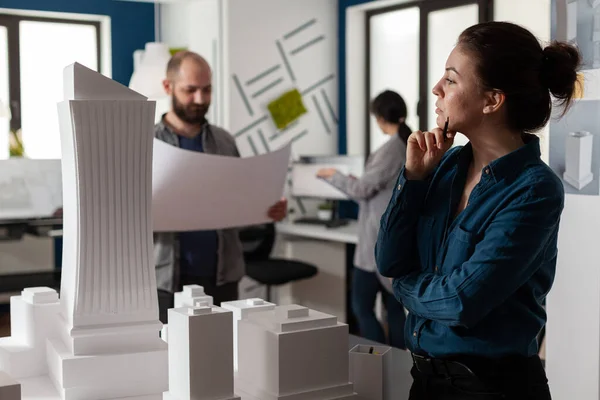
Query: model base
[[168, 396], [342, 392], [578, 184], [108, 376], [41, 388]]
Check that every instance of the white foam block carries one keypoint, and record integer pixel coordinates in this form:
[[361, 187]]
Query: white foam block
[[241, 309], [293, 351], [190, 296], [200, 354], [82, 83]]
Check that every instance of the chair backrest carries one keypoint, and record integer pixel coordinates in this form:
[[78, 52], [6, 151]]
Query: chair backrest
[[257, 241]]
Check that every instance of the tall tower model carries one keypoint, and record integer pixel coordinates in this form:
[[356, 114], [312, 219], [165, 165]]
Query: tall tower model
[[109, 322], [100, 340]]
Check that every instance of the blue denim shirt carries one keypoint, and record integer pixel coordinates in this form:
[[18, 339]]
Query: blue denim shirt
[[475, 283]]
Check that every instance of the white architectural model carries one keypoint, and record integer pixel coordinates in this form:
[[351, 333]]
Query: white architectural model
[[101, 341], [241, 309], [200, 354], [190, 295], [578, 159], [293, 352]]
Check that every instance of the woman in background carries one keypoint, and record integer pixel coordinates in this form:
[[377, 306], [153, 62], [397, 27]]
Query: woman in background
[[373, 191]]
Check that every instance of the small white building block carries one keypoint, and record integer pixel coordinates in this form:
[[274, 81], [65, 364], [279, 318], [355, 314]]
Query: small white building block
[[200, 354], [293, 352], [241, 309], [9, 388], [190, 295], [578, 159], [33, 319], [368, 367]]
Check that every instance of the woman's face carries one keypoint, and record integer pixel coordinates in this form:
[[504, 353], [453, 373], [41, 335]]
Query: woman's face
[[459, 95]]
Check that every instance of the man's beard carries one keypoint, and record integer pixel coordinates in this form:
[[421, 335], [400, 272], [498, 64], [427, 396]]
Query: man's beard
[[192, 114]]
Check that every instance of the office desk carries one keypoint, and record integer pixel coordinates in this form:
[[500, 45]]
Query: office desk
[[343, 234], [331, 250]]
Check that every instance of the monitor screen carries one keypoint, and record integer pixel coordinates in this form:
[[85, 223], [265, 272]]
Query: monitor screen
[[304, 175]]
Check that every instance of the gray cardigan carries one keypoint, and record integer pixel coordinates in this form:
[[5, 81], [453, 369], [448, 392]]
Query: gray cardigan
[[373, 191], [230, 264]]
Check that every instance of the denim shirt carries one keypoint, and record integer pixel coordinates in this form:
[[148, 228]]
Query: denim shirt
[[474, 283]]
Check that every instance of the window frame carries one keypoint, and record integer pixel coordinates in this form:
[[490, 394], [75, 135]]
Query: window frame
[[486, 13], [12, 24]]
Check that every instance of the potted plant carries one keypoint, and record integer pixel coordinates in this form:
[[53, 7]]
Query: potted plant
[[15, 144], [325, 211]]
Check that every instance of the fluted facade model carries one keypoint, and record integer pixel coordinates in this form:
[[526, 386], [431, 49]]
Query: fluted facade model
[[109, 305], [108, 276]]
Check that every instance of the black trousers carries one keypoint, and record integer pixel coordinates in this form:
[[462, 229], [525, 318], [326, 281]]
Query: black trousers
[[226, 292], [473, 378]]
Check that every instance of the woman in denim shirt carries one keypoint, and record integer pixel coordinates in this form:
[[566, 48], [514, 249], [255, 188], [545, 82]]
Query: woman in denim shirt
[[470, 234]]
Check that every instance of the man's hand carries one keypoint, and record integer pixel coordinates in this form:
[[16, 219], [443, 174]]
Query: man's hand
[[326, 173], [278, 211]]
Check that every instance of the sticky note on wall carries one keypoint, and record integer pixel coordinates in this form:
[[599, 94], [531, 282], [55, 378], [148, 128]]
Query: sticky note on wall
[[287, 108]]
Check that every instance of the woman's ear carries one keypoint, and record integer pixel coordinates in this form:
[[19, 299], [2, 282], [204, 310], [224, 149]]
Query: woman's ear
[[494, 100]]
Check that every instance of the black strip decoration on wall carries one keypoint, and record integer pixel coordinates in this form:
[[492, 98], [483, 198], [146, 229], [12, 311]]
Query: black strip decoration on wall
[[263, 139], [316, 85], [299, 29], [263, 74], [267, 88], [300, 135], [321, 115], [252, 125], [241, 91], [284, 130], [307, 45], [252, 145], [285, 60], [329, 106]]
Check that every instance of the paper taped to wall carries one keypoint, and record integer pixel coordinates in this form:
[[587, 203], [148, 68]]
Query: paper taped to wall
[[196, 191]]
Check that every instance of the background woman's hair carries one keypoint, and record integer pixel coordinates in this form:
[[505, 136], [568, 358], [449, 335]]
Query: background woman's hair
[[390, 106], [511, 60]]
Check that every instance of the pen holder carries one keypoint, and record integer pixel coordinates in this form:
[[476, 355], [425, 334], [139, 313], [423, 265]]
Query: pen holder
[[368, 366]]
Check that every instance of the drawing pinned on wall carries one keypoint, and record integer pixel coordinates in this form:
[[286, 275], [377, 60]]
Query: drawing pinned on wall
[[287, 108], [578, 159], [575, 139], [254, 91]]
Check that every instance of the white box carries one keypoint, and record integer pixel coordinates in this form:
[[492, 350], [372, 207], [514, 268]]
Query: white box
[[190, 296], [578, 159], [200, 354], [293, 353], [241, 309], [368, 366]]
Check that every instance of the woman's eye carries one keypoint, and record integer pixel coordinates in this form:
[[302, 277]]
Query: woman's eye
[[449, 80]]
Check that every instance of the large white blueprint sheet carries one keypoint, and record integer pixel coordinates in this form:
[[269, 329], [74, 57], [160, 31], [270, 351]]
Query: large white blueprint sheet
[[196, 191]]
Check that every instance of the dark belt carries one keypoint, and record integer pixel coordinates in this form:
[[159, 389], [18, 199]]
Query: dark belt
[[440, 367]]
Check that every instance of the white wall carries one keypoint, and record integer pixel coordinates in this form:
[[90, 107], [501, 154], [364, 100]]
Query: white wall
[[256, 42], [240, 39]]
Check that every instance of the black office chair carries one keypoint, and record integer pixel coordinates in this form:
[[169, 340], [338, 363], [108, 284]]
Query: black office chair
[[258, 243]]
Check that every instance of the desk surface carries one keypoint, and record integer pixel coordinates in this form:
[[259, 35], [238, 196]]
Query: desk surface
[[344, 234]]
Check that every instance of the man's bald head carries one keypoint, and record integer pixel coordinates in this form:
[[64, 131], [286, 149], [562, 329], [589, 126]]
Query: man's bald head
[[174, 65], [189, 83]]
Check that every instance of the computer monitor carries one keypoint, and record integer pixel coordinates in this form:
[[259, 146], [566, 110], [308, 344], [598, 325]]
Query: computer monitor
[[304, 175]]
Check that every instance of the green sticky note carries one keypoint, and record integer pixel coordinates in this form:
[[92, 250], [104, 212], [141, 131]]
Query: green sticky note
[[287, 108]]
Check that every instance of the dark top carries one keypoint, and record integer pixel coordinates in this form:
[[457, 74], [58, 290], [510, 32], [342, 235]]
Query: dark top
[[474, 284]]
